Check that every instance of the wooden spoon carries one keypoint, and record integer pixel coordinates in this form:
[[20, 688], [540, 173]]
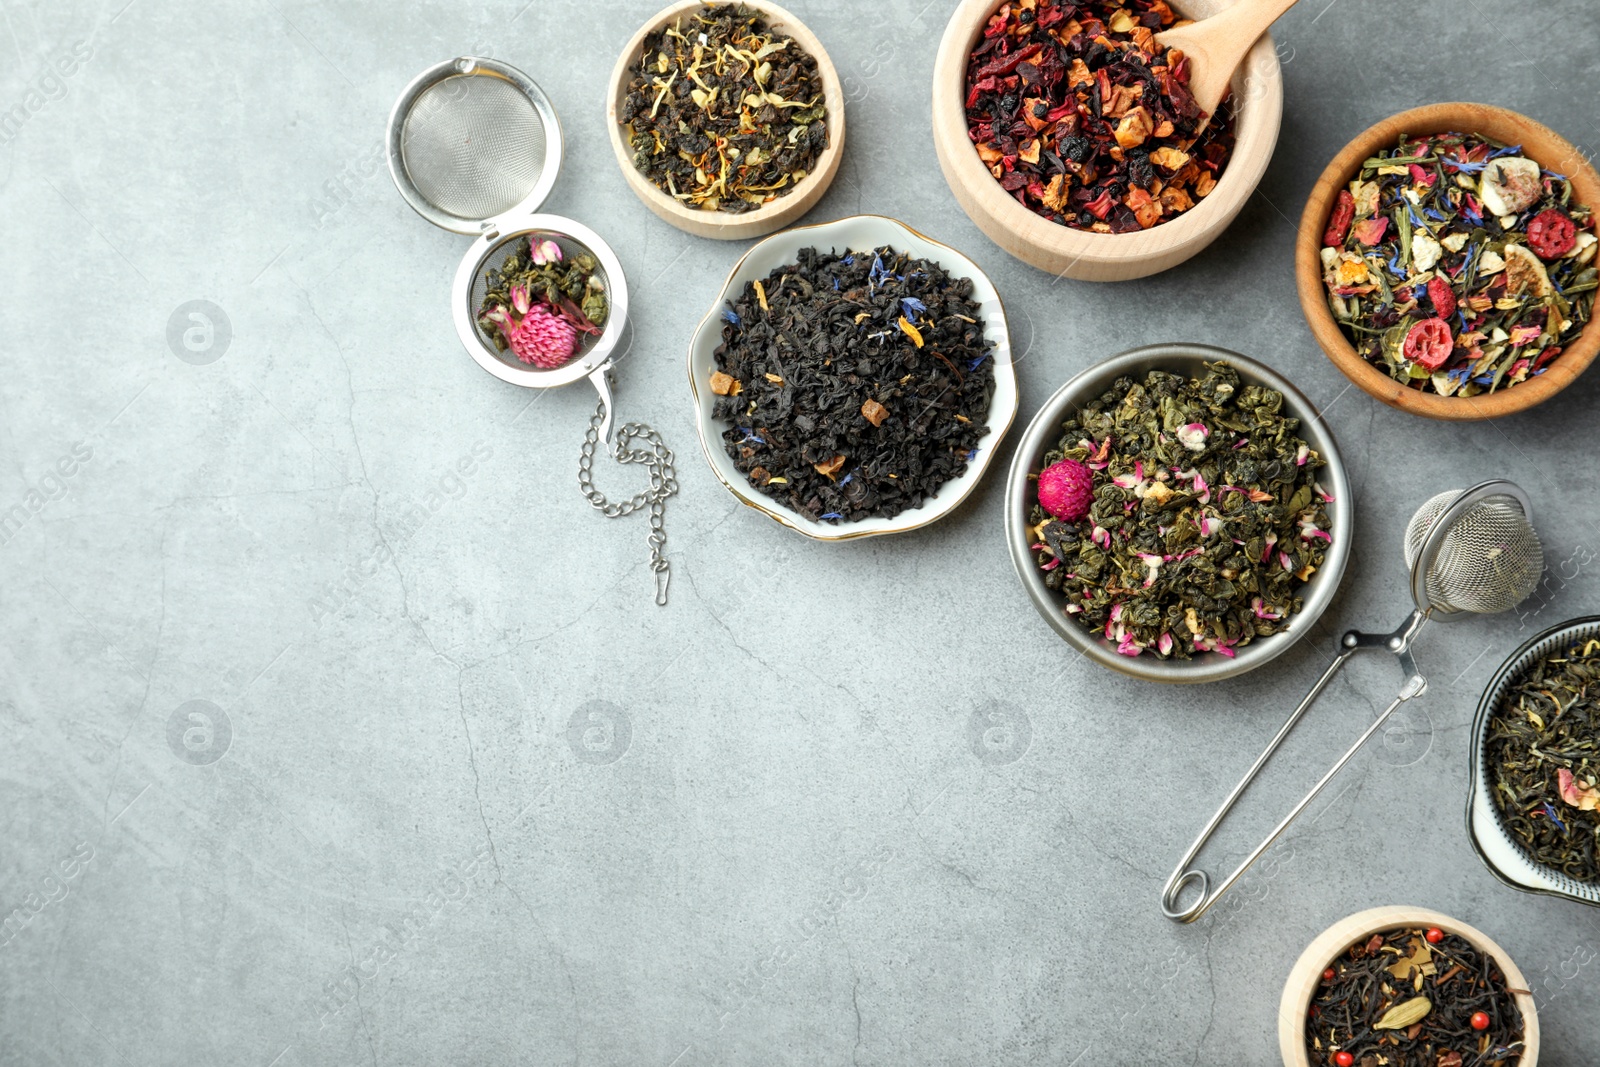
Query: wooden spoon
[[1217, 45]]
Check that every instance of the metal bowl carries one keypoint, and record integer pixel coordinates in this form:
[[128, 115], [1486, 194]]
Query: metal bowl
[[1500, 852], [1044, 431]]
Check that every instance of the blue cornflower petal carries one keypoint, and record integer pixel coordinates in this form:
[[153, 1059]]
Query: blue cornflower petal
[[971, 454], [731, 316], [975, 364], [836, 285], [1548, 810], [833, 515], [845, 480], [748, 437], [1509, 150], [1395, 266], [912, 306]]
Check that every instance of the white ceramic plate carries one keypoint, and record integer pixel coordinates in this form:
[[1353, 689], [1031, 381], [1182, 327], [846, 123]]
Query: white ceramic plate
[[858, 233]]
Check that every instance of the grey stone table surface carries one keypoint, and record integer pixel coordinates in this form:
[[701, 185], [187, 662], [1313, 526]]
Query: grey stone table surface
[[457, 793]]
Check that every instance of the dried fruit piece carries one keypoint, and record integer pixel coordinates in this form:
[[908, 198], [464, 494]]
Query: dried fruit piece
[[874, 412], [1511, 185], [724, 384], [1443, 297], [1429, 343], [1525, 274], [1552, 234], [1344, 210]]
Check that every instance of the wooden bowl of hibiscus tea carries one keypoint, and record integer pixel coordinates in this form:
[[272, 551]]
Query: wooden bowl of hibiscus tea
[[1426, 290], [1056, 191]]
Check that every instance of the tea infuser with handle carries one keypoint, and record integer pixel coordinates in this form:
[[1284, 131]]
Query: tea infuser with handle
[[474, 147], [1471, 552]]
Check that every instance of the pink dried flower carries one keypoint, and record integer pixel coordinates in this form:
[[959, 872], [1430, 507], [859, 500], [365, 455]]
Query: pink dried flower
[[542, 252], [535, 335], [1066, 490]]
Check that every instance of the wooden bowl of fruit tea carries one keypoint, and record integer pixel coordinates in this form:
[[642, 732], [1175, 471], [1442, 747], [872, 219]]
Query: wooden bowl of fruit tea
[[853, 379], [1179, 513], [1074, 196], [1533, 813], [726, 125], [1446, 262], [1420, 990]]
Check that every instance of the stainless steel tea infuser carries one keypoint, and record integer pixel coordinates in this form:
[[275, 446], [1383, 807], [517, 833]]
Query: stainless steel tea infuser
[[474, 146], [1471, 552]]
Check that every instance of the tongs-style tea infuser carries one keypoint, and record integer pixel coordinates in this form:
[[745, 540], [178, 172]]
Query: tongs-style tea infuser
[[475, 148], [1471, 552]]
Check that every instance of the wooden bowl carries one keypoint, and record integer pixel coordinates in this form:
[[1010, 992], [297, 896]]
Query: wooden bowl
[[858, 233], [1100, 257], [769, 217], [1331, 944], [1541, 144]]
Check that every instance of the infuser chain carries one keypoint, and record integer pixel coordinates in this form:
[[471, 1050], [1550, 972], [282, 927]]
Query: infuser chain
[[658, 459], [1397, 644]]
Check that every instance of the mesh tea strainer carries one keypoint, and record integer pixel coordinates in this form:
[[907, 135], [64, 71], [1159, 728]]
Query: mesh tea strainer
[[1470, 552], [475, 147]]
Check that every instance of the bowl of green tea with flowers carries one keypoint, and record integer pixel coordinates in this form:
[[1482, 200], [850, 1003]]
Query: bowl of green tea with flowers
[[1447, 262], [1179, 514]]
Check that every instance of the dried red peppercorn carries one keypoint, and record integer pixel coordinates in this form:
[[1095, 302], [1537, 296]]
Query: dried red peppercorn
[[1443, 297], [1552, 234], [1344, 212], [1429, 343]]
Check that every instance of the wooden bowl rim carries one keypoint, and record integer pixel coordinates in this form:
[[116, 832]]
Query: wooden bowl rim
[[1436, 118], [1262, 114], [770, 216], [1328, 945]]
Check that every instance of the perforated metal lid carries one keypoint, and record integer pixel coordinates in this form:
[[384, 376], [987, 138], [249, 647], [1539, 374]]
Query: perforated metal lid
[[472, 140]]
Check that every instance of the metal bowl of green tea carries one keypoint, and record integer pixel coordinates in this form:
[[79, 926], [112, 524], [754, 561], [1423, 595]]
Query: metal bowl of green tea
[[1533, 810], [1215, 592]]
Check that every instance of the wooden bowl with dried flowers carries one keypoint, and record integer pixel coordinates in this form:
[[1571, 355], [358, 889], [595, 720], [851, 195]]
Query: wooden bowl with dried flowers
[[745, 145], [1536, 142]]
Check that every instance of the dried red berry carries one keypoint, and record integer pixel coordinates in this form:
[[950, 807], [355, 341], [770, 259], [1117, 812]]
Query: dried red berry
[[1434, 935], [1329, 975], [1339, 224], [1552, 234], [1443, 297], [1480, 1020], [1429, 343], [1343, 1059]]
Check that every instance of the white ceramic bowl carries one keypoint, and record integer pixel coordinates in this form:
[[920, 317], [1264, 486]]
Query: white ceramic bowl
[[858, 233], [1500, 852]]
